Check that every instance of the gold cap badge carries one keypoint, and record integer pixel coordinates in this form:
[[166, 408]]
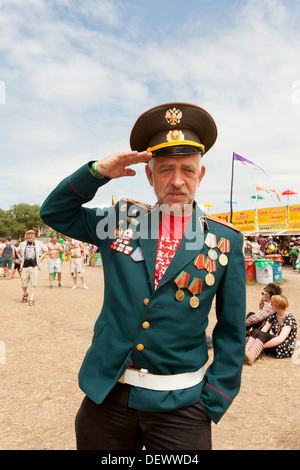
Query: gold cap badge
[[173, 116], [175, 135]]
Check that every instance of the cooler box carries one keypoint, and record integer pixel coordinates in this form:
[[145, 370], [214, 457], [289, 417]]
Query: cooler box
[[264, 270], [250, 269], [277, 272]]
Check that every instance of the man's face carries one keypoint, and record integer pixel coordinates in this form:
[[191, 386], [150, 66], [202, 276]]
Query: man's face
[[175, 179], [54, 239], [31, 237]]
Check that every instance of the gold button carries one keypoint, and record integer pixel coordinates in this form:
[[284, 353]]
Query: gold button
[[146, 301], [140, 347], [146, 324]]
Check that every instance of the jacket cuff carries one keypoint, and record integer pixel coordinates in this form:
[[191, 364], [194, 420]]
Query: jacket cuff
[[84, 183]]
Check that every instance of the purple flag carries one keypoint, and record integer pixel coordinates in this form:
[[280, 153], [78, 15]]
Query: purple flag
[[245, 161]]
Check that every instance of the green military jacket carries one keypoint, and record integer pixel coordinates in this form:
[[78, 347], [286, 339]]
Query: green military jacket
[[174, 339]]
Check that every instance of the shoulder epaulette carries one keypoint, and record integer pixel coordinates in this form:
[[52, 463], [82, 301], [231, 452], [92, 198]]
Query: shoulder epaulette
[[220, 221], [137, 203]]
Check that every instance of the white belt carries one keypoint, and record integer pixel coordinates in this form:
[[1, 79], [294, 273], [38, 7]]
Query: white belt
[[142, 378]]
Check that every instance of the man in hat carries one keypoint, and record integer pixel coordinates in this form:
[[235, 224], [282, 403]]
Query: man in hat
[[144, 375], [32, 252]]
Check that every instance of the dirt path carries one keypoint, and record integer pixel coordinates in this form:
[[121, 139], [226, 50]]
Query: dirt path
[[45, 345]]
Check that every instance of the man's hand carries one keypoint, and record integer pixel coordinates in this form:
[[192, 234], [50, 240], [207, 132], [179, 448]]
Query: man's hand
[[117, 165]]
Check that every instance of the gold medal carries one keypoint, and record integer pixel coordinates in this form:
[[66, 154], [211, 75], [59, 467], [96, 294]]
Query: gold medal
[[181, 281], [195, 288], [179, 295], [210, 279], [224, 247], [223, 260], [194, 301]]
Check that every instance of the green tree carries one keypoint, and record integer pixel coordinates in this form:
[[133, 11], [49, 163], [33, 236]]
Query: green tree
[[18, 219]]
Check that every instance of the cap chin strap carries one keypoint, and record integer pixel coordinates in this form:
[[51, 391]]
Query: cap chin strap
[[181, 147]]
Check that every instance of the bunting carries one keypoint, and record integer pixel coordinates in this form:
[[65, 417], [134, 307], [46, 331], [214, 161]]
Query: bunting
[[268, 191]]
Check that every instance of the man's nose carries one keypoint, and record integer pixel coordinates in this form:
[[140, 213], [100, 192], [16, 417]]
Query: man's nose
[[177, 179]]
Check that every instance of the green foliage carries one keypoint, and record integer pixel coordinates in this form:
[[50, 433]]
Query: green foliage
[[19, 218]]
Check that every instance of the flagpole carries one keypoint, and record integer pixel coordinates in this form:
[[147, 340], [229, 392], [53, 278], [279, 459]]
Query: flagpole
[[256, 216], [231, 190]]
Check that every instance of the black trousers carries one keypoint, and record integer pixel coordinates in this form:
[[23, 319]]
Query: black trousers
[[112, 425]]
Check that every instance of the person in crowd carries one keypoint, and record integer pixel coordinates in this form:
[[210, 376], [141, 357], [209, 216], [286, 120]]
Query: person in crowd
[[257, 320], [54, 262], [77, 251], [17, 262], [7, 253], [271, 247], [30, 251], [278, 336], [262, 243], [296, 258], [255, 248], [247, 247]]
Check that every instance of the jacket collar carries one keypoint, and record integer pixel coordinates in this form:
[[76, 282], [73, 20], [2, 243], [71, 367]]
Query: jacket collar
[[191, 244]]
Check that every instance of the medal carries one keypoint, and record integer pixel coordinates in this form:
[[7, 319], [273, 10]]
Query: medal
[[212, 254], [223, 260], [199, 261], [194, 302], [179, 295], [210, 265], [195, 289], [118, 232], [128, 234], [210, 279], [181, 281], [224, 247], [211, 240], [137, 255]]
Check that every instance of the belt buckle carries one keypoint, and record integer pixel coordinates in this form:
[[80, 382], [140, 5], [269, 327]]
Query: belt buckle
[[143, 373]]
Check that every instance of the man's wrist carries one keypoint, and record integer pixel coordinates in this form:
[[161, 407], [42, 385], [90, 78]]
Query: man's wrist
[[96, 172]]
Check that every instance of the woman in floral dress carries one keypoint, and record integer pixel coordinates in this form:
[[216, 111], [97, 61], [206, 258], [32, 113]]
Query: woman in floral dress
[[278, 336]]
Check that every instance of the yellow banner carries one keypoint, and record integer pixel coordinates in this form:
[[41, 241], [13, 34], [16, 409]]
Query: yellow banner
[[224, 216], [270, 219], [273, 218], [245, 220], [294, 214]]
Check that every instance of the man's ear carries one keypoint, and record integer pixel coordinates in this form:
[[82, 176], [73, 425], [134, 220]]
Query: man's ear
[[202, 173], [149, 174]]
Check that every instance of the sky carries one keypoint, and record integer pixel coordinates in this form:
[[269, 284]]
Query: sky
[[75, 76]]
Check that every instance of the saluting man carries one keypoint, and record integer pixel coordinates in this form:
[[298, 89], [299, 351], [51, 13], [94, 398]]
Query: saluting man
[[144, 374]]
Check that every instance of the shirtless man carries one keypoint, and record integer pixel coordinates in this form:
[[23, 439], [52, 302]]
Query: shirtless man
[[77, 250], [54, 263]]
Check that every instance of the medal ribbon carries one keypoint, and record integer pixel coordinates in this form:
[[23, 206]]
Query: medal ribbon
[[199, 261], [211, 240], [182, 280], [195, 286], [224, 245], [210, 265]]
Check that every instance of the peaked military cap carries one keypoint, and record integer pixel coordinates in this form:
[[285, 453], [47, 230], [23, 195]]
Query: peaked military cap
[[174, 129]]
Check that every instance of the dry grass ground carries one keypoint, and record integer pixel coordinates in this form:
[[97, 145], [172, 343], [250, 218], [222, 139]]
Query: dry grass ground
[[45, 345]]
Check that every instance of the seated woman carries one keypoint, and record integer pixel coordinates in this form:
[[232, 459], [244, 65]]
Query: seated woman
[[277, 337], [257, 320]]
